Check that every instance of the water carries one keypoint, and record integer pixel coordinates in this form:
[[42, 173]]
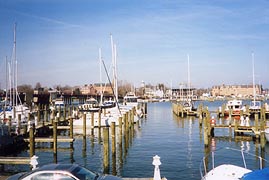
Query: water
[[178, 141]]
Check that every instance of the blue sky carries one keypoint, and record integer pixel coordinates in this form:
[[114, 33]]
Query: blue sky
[[58, 41]]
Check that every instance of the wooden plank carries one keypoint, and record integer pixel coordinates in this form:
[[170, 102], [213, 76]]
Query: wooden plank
[[59, 139], [15, 160]]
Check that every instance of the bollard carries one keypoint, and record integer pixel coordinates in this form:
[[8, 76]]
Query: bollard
[[34, 162], [156, 162]]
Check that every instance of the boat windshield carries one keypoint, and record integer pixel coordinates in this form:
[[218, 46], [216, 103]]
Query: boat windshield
[[130, 99], [255, 103], [83, 173]]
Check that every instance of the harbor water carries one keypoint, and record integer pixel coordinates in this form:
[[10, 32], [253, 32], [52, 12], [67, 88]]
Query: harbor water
[[178, 142]]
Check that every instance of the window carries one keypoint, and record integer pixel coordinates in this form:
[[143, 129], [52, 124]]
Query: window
[[49, 176]]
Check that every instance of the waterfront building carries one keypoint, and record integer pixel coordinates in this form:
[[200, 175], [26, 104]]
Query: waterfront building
[[236, 90]]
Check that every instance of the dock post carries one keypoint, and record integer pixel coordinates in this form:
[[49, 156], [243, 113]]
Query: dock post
[[99, 118], [32, 141], [46, 114], [52, 116], [9, 124], [71, 133], [92, 123], [113, 147], [19, 124], [106, 149], [38, 113], [206, 141], [222, 110], [256, 124], [64, 113], [55, 139], [262, 133], [146, 109], [84, 125], [235, 128]]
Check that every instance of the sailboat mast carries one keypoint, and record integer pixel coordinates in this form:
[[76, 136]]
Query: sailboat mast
[[253, 79], [189, 82], [116, 73], [100, 71], [13, 68], [113, 51]]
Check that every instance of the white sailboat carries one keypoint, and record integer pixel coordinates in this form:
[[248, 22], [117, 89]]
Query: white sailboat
[[255, 106], [188, 104], [15, 108]]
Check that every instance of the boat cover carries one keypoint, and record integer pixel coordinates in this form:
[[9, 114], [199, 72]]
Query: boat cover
[[262, 174]]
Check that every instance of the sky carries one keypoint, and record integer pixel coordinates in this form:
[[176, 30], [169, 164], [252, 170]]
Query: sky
[[58, 42]]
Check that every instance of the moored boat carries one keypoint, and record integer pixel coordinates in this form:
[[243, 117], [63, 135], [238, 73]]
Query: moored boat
[[234, 170], [234, 107]]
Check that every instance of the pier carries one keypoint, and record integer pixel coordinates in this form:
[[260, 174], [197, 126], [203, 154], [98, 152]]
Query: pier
[[44, 126]]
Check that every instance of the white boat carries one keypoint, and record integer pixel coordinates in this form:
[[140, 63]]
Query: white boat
[[235, 106], [90, 105], [130, 100], [78, 123], [57, 103], [255, 106], [234, 170]]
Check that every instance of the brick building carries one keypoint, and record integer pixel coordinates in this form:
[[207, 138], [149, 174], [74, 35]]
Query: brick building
[[236, 90]]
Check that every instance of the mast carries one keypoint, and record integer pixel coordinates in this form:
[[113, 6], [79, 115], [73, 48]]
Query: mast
[[100, 69], [189, 82], [253, 80], [116, 73], [13, 69], [113, 51]]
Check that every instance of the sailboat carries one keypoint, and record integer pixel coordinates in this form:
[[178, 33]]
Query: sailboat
[[255, 106], [188, 104], [14, 107]]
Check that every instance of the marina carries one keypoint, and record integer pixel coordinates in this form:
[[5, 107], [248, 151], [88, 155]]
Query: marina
[[179, 141]]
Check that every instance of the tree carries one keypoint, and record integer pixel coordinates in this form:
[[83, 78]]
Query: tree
[[38, 85]]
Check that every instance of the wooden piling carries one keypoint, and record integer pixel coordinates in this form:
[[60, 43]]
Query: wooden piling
[[32, 141], [55, 122], [92, 121], [84, 125], [113, 146], [38, 113], [106, 149], [99, 118], [19, 124]]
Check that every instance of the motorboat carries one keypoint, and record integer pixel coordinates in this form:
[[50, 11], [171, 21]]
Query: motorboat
[[90, 105], [255, 106], [235, 106], [130, 99], [233, 170]]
